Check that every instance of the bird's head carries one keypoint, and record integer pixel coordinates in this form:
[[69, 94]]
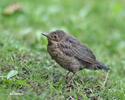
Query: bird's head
[[55, 36]]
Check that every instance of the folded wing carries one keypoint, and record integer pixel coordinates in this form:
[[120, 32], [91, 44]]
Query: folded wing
[[72, 47]]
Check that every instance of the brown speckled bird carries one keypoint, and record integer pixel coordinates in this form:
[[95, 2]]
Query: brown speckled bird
[[69, 53]]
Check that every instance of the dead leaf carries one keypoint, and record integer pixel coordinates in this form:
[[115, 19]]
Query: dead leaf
[[11, 9]]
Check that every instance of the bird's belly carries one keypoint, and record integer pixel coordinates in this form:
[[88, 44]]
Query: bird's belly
[[60, 58], [67, 62]]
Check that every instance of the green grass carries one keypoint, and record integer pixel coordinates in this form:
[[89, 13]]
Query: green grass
[[97, 23]]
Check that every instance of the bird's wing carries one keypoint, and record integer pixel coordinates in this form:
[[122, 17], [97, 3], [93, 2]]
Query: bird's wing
[[85, 54], [72, 47]]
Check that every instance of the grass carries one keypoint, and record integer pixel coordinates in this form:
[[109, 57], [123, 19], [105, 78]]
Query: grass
[[98, 24]]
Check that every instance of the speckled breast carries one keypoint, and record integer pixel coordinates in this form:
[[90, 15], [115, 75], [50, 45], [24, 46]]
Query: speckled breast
[[69, 63]]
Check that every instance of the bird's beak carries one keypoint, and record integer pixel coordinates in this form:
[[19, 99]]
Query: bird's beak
[[46, 35]]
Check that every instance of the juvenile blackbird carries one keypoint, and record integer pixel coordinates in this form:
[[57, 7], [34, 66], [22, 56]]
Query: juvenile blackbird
[[69, 53]]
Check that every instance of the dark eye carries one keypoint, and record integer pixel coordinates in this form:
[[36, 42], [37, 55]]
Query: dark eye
[[55, 36]]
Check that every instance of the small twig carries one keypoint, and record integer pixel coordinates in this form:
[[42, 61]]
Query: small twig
[[16, 93], [106, 79]]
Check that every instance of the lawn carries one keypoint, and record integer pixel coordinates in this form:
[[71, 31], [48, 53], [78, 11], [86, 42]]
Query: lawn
[[26, 67]]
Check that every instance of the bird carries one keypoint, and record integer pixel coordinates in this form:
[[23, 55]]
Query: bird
[[70, 54]]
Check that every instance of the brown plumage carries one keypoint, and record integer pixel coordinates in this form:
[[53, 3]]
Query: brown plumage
[[70, 54]]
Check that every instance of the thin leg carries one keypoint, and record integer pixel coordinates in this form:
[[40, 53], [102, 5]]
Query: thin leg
[[71, 78], [66, 75]]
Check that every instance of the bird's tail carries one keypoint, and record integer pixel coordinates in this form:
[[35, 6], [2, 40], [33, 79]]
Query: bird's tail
[[102, 66]]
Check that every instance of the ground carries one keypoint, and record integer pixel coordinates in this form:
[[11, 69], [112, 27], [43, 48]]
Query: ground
[[99, 24]]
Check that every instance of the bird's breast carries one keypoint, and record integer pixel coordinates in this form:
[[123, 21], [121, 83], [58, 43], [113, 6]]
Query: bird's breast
[[54, 50]]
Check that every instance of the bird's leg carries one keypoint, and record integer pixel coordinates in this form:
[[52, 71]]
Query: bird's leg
[[71, 78], [66, 75]]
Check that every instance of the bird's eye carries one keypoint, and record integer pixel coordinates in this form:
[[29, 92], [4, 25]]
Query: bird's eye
[[55, 36]]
